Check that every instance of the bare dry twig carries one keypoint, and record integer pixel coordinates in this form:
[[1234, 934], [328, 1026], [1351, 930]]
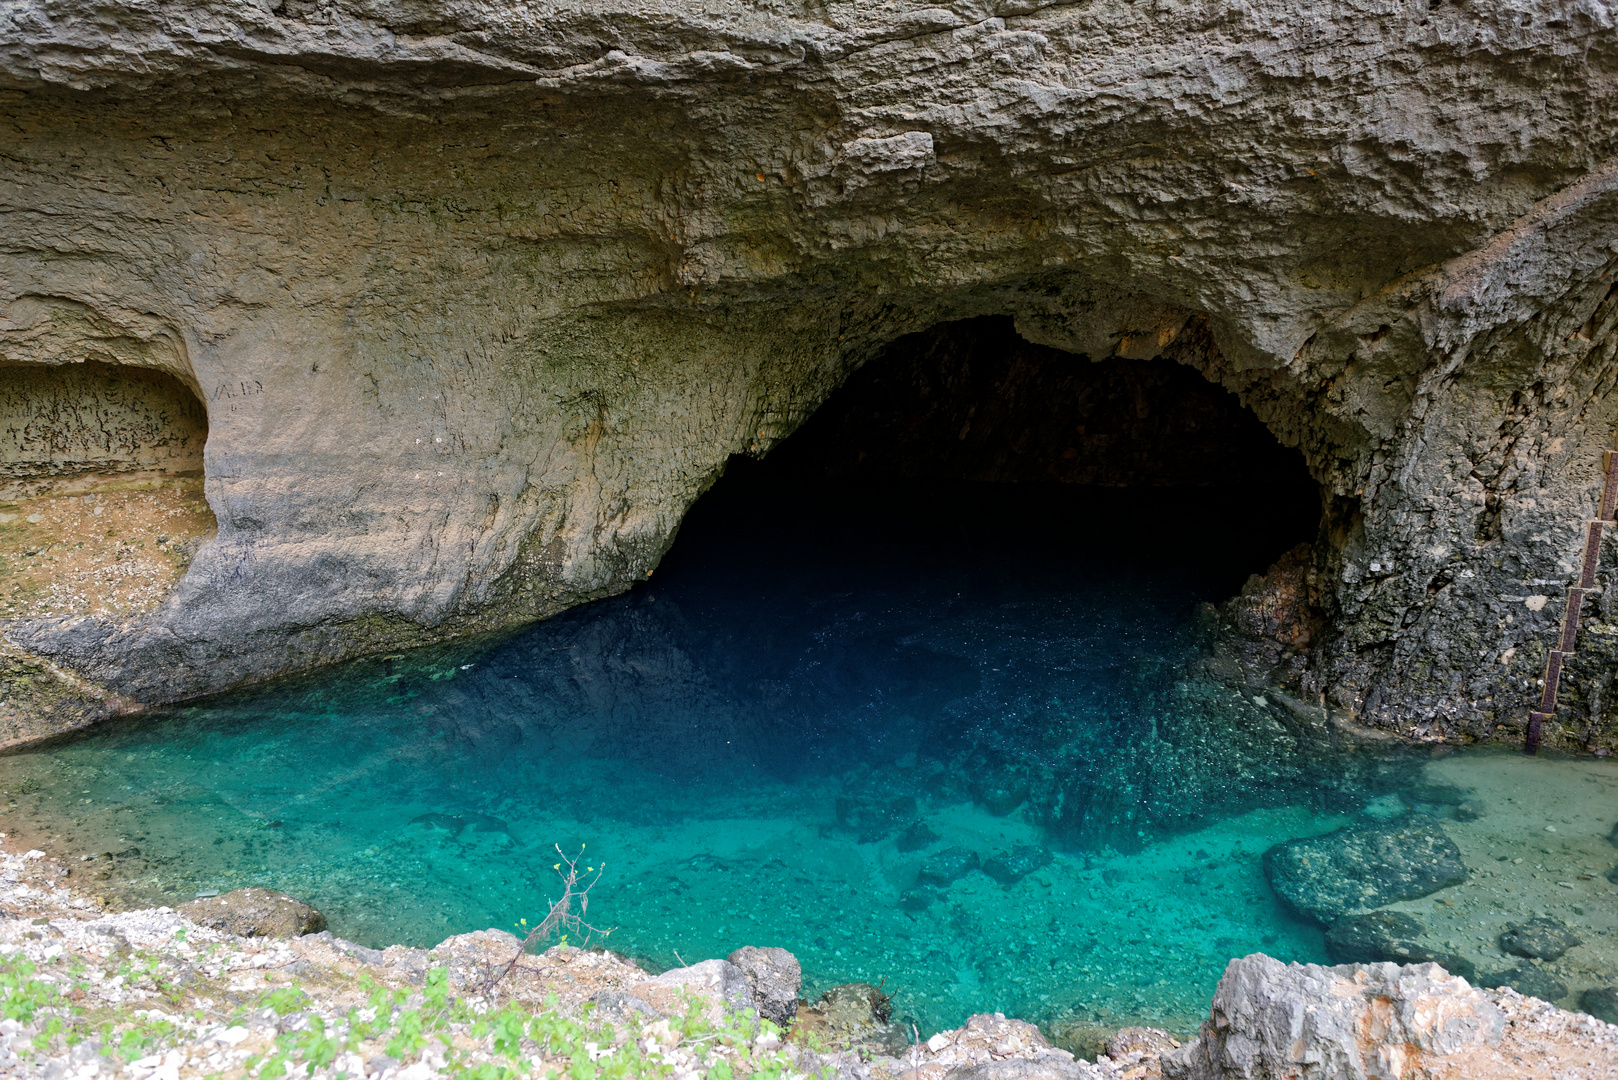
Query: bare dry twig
[[561, 916]]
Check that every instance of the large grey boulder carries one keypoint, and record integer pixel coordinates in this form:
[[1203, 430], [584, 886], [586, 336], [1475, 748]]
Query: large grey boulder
[[1360, 868], [1275, 1021], [774, 977], [720, 984]]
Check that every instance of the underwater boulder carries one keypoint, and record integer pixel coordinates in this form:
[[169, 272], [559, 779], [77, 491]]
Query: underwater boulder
[[774, 976], [1601, 1002], [255, 913], [1363, 867], [947, 866], [854, 1016], [1540, 938], [918, 836], [1434, 791], [1001, 790], [1388, 937], [1010, 867], [919, 899], [874, 817], [1527, 980], [444, 823]]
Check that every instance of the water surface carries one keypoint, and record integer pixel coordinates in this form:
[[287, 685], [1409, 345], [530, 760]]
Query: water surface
[[719, 737]]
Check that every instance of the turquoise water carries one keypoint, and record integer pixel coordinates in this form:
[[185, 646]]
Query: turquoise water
[[819, 689]]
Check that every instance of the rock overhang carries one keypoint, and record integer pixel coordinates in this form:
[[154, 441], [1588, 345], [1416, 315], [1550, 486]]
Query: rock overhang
[[522, 278]]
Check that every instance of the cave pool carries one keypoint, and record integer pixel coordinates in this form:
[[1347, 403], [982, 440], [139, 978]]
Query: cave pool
[[862, 645]]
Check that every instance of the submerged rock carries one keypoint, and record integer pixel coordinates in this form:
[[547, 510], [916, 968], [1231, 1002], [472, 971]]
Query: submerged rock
[[874, 817], [919, 899], [1601, 1002], [1010, 867], [1360, 868], [1134, 1040], [446, 823], [854, 1016], [1528, 980], [1541, 938], [918, 836], [255, 913], [947, 866], [1388, 937], [1001, 790], [774, 977], [1435, 791]]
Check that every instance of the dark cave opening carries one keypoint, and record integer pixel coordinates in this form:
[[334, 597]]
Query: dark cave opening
[[1003, 558], [968, 435]]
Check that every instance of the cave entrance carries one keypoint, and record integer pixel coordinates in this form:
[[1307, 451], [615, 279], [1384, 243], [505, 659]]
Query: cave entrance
[[1003, 562], [101, 487]]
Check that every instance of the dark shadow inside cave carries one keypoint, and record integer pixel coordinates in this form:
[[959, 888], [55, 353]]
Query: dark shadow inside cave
[[967, 436], [995, 553]]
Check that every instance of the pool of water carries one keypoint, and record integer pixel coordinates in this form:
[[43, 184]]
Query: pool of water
[[818, 690]]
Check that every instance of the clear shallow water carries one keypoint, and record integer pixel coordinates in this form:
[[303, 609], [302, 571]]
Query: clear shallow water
[[800, 650]]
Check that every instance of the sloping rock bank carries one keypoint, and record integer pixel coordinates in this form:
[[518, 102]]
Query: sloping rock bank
[[479, 297], [154, 995]]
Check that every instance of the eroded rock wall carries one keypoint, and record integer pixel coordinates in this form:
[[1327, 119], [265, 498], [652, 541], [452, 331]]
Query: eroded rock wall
[[480, 297]]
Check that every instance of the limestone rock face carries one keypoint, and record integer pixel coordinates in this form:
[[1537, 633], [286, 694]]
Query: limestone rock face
[[255, 913], [479, 297], [774, 978], [1354, 1022]]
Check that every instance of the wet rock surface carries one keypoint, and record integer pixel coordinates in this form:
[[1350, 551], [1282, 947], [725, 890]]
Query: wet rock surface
[[1010, 867], [856, 1017], [774, 977], [1528, 980], [1364, 867], [1601, 1002], [255, 913], [873, 817], [943, 868], [1388, 937], [1540, 938]]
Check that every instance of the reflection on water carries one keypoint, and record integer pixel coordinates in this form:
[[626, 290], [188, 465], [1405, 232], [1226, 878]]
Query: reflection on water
[[779, 741]]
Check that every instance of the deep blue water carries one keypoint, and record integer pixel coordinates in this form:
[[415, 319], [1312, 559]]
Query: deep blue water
[[745, 740]]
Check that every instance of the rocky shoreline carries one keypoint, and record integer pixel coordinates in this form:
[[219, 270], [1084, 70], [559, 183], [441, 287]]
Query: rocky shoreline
[[161, 994]]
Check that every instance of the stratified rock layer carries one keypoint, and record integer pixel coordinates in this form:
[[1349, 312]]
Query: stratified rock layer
[[480, 298]]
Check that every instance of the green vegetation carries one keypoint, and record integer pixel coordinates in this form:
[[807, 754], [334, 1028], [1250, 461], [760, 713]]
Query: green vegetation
[[472, 1036]]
